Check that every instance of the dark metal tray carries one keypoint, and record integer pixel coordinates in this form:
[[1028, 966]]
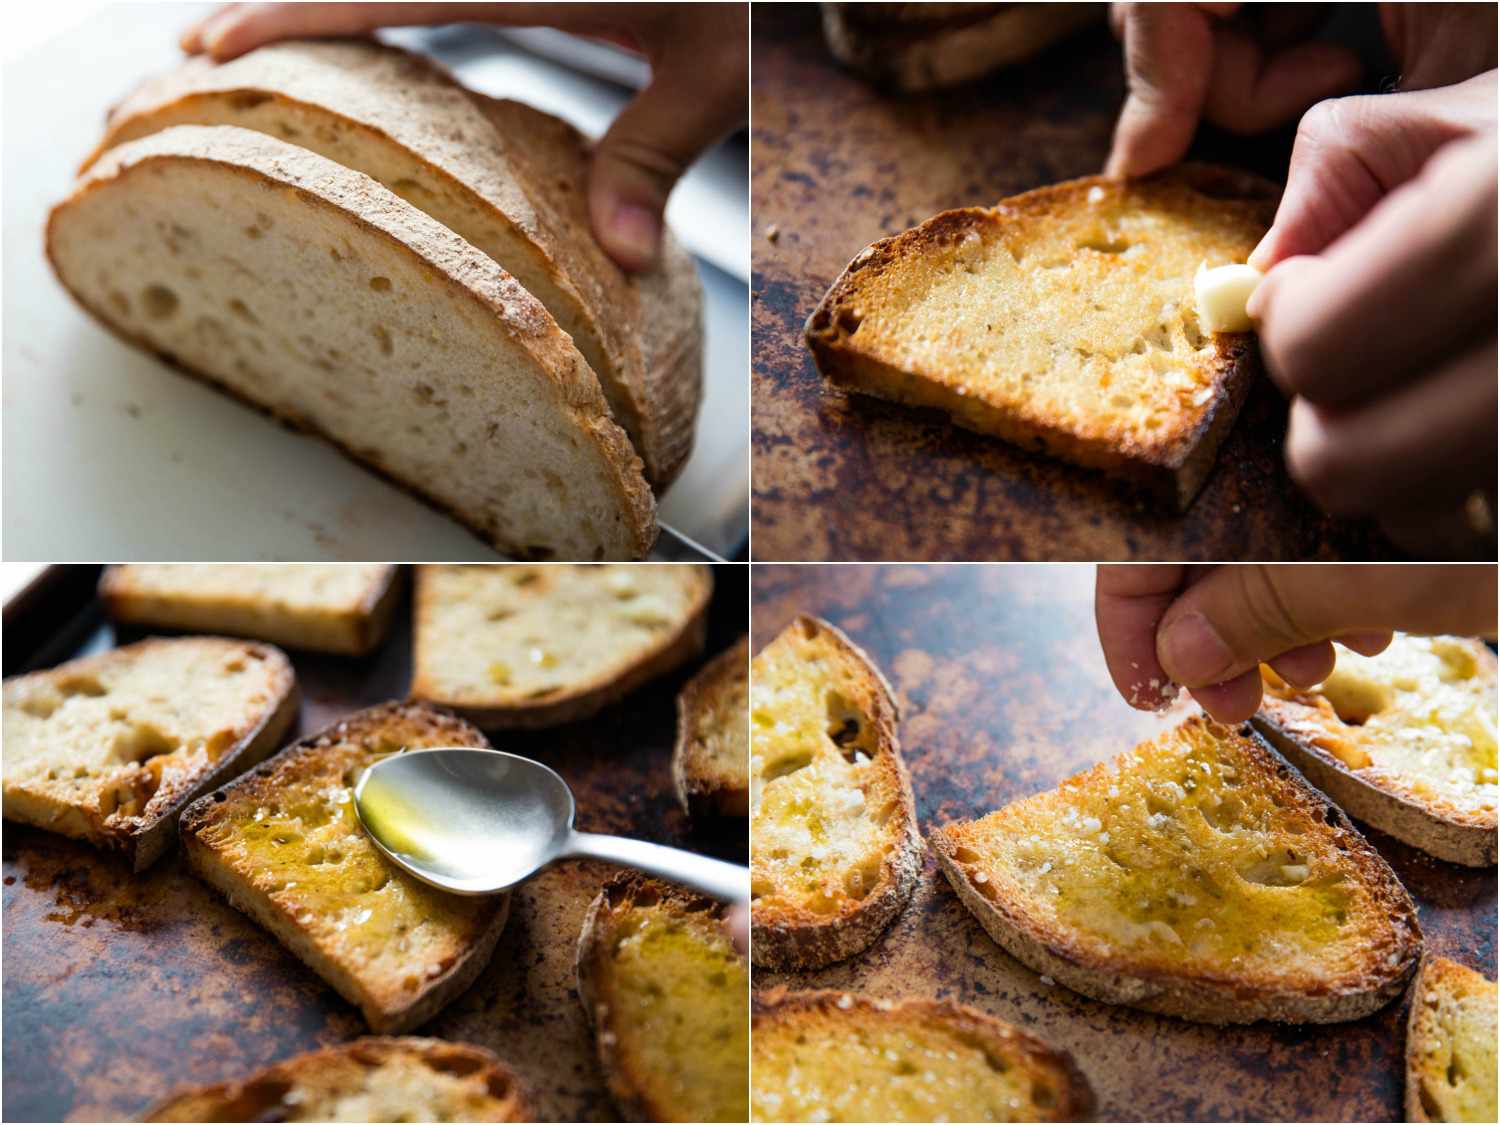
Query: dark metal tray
[[119, 988], [1003, 693]]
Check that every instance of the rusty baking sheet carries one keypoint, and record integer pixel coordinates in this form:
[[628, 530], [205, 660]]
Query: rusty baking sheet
[[1003, 692], [120, 988], [838, 164]]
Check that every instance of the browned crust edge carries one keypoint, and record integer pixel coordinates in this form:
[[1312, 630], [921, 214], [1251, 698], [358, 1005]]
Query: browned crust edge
[[1212, 998], [621, 893], [585, 700], [467, 1054], [1078, 1103], [434, 994], [801, 940], [635, 500], [704, 798]]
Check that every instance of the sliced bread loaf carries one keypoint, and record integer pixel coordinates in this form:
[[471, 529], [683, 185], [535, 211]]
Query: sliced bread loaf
[[1450, 1044], [370, 1079], [285, 845], [838, 1056], [669, 998], [834, 848], [711, 760], [1197, 875], [399, 119], [111, 748], [337, 607], [315, 293], [1404, 741], [1062, 320], [534, 646]]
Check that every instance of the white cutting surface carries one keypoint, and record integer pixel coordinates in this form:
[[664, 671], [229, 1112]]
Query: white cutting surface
[[110, 455]]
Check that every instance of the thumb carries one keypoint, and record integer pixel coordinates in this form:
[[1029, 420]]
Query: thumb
[[1351, 152], [1240, 616]]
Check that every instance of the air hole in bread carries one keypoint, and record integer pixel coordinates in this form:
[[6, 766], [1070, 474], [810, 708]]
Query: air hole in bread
[[141, 741], [159, 302], [788, 765], [245, 101], [380, 284], [966, 855], [81, 685], [1282, 868], [383, 339], [1103, 244]]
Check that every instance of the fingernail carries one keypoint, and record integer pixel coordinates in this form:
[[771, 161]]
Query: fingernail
[[636, 231], [1260, 257], [1192, 652]]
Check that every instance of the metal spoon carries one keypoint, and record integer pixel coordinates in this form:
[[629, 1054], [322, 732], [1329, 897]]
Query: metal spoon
[[480, 821]]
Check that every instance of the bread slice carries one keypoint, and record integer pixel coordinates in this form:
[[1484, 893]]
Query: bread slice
[[840, 1056], [1062, 320], [111, 748], [711, 760], [402, 121], [1450, 1044], [340, 607], [318, 295], [1404, 741], [534, 646], [283, 844], [369, 1079], [834, 848], [1198, 876], [915, 47], [669, 999]]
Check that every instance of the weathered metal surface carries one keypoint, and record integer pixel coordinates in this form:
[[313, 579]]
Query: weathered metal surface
[[1003, 692], [838, 164], [119, 988]]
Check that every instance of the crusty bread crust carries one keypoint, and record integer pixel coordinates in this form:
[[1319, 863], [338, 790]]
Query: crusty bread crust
[[791, 936], [1439, 980], [494, 712], [353, 629], [1223, 995], [348, 200], [825, 1011], [145, 838], [403, 120], [632, 1092], [1301, 726], [322, 1074], [912, 50], [1171, 463], [387, 1007], [703, 789]]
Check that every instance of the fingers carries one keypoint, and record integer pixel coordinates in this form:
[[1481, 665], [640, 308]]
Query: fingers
[[1249, 92], [1427, 445], [1350, 152], [1128, 604], [1412, 283], [1237, 617], [1232, 701], [1168, 60], [696, 96], [1303, 667]]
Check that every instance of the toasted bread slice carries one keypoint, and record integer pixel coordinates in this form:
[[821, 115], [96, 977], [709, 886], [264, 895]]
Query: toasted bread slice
[[912, 47], [399, 119], [1198, 876], [1404, 741], [283, 844], [338, 607], [1062, 320], [1450, 1044], [534, 646], [370, 1079], [111, 748], [669, 998], [837, 1056], [711, 761], [835, 852]]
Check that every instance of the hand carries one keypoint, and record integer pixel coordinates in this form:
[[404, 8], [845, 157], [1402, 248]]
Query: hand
[[1245, 72], [1377, 314], [1209, 628], [699, 60]]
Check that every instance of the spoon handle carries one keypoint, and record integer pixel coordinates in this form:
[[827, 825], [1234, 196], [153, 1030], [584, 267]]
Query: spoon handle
[[727, 882]]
